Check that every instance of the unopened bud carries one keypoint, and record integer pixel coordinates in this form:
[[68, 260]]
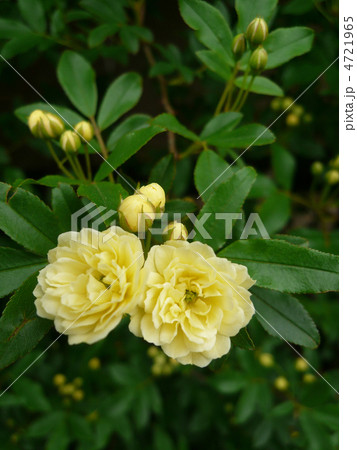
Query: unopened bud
[[292, 120], [276, 104], [59, 379], [281, 383], [257, 31], [94, 363], [85, 130], [332, 177], [258, 59], [301, 365], [70, 141], [239, 45], [266, 359], [297, 109], [335, 162], [287, 102], [155, 194], [175, 231], [54, 125], [37, 122], [78, 395], [317, 168], [309, 378], [136, 213]]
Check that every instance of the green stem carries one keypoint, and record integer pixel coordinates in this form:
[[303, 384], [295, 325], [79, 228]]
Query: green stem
[[89, 168], [147, 243], [79, 167], [58, 162], [227, 90], [73, 165], [232, 87], [241, 90], [101, 143], [246, 93], [192, 149]]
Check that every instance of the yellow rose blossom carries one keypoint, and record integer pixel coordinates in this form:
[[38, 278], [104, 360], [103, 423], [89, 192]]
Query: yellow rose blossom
[[191, 302], [85, 288], [155, 194]]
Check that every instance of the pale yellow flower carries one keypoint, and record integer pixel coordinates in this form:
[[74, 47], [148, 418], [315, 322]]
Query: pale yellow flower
[[191, 302], [155, 194], [90, 282]]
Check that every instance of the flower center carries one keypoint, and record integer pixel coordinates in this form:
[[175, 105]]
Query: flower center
[[190, 296]]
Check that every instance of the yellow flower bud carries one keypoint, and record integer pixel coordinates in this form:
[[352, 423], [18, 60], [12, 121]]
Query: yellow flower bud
[[136, 213], [238, 45], [297, 109], [173, 362], [85, 130], [301, 365], [155, 194], [167, 369], [275, 104], [286, 102], [160, 359], [153, 351], [309, 378], [70, 141], [332, 177], [292, 120], [257, 31], [94, 363], [67, 389], [175, 231], [38, 123], [266, 359], [258, 60], [54, 125], [317, 168], [59, 379], [156, 370], [281, 383], [78, 395], [334, 163], [78, 382]]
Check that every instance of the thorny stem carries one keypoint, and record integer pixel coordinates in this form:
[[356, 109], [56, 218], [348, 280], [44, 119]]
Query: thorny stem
[[101, 143], [58, 162]]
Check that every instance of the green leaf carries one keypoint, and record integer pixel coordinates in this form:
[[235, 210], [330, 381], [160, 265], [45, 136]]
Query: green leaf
[[126, 147], [122, 95], [32, 394], [243, 340], [65, 203], [222, 123], [275, 212], [55, 180], [283, 165], [246, 403], [248, 10], [104, 194], [215, 62], [228, 197], [263, 187], [67, 114], [261, 85], [11, 28], [15, 267], [317, 436], [99, 34], [285, 44], [21, 44], [77, 79], [229, 382], [34, 14], [170, 123], [282, 315], [211, 28], [285, 267], [243, 137], [180, 207], [163, 172], [20, 328], [105, 11], [210, 168], [134, 122], [27, 220], [45, 424]]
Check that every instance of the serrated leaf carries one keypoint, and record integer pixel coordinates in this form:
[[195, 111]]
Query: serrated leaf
[[227, 197], [65, 203], [134, 122], [285, 267], [126, 147], [263, 187], [261, 85], [104, 194], [122, 95], [77, 79], [20, 327], [210, 26], [222, 123], [243, 137], [281, 315], [243, 340], [275, 212], [163, 172], [27, 220], [170, 123], [15, 267]]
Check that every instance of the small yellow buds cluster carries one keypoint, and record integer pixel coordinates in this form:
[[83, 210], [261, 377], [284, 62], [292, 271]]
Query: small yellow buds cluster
[[309, 378], [137, 212], [257, 31], [162, 365], [239, 45], [45, 125], [317, 168], [258, 60], [69, 389], [175, 231], [301, 365], [94, 363], [281, 383], [85, 130], [332, 177], [70, 141], [266, 359]]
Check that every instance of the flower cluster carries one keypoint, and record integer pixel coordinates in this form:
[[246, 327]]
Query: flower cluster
[[182, 298]]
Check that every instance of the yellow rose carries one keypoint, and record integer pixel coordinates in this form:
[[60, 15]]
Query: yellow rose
[[136, 213], [191, 302], [90, 282], [155, 194]]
